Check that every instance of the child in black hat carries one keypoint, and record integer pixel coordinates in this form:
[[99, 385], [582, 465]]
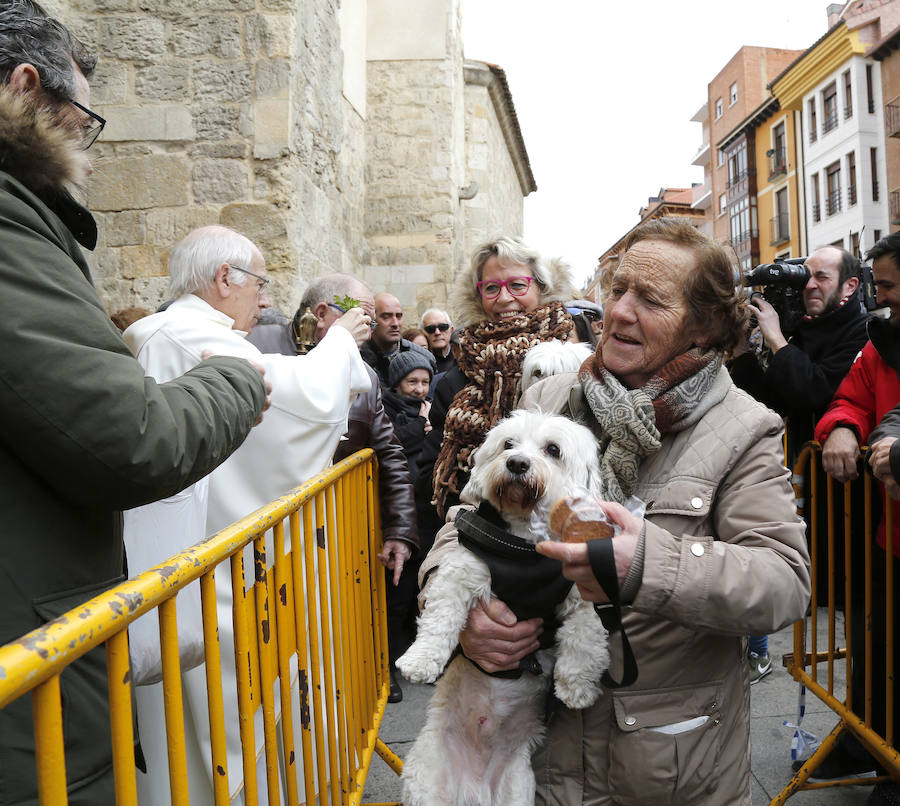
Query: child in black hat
[[406, 401]]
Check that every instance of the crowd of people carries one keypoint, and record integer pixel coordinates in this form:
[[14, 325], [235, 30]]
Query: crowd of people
[[189, 418]]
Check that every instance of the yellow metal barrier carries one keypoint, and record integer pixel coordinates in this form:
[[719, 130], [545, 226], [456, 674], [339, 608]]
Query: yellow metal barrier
[[843, 553], [310, 641]]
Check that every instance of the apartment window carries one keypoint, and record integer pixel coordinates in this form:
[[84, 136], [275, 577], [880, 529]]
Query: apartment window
[[737, 164], [870, 90], [814, 197], [780, 230], [779, 151], [721, 157], [833, 188], [723, 204], [732, 94], [854, 243], [873, 163], [851, 179], [877, 235], [740, 221], [813, 129], [848, 96], [829, 107], [718, 108]]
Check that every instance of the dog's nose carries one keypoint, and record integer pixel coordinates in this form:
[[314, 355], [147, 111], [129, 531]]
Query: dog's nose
[[517, 465]]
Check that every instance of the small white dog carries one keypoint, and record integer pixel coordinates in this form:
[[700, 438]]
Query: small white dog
[[552, 357], [480, 730]]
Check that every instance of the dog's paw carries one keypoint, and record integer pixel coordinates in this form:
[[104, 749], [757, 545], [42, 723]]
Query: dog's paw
[[418, 667], [576, 694]]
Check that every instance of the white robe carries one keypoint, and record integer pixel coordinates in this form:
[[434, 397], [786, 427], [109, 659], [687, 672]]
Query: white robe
[[311, 396]]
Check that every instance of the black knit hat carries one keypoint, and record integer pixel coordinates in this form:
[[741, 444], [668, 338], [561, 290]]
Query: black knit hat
[[405, 362]]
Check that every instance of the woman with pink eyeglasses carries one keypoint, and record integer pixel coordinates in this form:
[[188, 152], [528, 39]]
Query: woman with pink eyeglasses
[[505, 302]]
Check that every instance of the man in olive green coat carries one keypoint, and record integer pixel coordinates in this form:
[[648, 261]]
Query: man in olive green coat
[[83, 434]]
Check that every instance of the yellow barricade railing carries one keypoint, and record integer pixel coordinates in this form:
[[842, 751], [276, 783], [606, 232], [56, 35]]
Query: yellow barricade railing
[[843, 520], [310, 651]]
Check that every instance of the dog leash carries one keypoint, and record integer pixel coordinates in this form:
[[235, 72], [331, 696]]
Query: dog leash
[[603, 564]]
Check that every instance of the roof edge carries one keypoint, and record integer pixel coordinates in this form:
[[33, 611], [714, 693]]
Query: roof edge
[[494, 79]]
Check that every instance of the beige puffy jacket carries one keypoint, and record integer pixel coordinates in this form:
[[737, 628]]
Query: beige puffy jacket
[[725, 557]]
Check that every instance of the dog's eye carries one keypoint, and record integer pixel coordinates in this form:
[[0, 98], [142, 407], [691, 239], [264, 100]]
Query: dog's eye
[[508, 445], [552, 450], [538, 373]]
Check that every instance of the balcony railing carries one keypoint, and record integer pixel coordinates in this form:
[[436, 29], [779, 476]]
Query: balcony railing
[[743, 237], [892, 119], [813, 134], [895, 207], [848, 112], [777, 163], [875, 193], [831, 122], [833, 203], [851, 195], [780, 229], [817, 212], [735, 180]]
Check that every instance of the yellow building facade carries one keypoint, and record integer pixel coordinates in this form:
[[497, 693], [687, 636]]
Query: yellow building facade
[[779, 200]]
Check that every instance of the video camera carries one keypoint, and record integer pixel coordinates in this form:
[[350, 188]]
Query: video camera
[[783, 282]]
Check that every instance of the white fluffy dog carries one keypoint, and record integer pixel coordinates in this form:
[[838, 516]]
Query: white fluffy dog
[[552, 357], [480, 730]]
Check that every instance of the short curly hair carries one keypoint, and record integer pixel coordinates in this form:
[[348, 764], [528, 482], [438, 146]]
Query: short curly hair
[[715, 305]]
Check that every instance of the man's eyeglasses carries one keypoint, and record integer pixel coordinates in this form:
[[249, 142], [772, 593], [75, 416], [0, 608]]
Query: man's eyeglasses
[[261, 282], [442, 326], [91, 130], [517, 286]]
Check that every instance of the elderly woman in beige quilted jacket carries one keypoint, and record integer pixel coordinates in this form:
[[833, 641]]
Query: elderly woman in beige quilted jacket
[[719, 554]]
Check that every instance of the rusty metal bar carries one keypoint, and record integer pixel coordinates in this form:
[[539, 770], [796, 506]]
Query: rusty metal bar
[[118, 675], [173, 704], [48, 742], [215, 703]]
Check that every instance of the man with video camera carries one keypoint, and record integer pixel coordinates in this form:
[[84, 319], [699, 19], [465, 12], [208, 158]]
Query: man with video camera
[[798, 374], [804, 370]]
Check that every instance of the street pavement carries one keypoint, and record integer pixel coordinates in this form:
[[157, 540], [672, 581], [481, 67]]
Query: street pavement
[[773, 701]]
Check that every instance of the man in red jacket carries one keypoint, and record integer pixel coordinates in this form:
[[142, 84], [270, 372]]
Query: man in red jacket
[[870, 390]]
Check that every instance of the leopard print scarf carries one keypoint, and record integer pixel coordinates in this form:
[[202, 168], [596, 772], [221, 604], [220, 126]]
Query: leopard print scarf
[[633, 420], [490, 356]]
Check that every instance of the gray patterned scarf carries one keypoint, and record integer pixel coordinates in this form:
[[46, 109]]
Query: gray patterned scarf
[[633, 420]]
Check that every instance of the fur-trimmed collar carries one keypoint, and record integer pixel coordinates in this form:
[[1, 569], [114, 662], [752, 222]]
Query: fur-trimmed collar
[[34, 148], [466, 304]]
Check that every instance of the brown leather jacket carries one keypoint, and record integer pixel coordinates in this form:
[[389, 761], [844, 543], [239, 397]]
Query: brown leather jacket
[[368, 426]]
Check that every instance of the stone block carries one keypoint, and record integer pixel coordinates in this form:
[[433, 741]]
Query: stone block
[[97, 6], [125, 228], [273, 78], [218, 122], [269, 34], [272, 130], [166, 9], [133, 37], [259, 222], [219, 181], [236, 150], [143, 261], [163, 82], [168, 225], [161, 123], [137, 183], [151, 292], [208, 35], [216, 81], [109, 84]]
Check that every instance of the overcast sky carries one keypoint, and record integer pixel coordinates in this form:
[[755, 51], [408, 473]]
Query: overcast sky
[[605, 92]]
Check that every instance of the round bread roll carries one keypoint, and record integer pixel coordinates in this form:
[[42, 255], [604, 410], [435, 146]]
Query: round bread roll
[[576, 520]]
